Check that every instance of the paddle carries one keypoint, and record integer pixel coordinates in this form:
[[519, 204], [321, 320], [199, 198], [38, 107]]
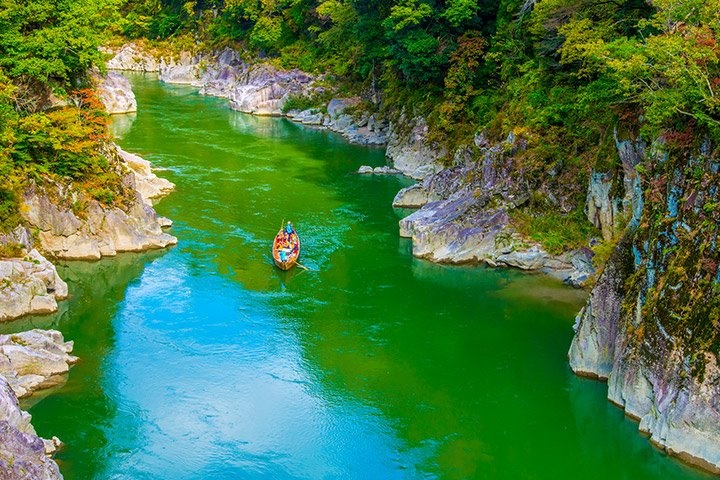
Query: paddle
[[303, 266]]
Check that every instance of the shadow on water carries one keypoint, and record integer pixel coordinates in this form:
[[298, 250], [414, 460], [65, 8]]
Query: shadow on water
[[97, 289]]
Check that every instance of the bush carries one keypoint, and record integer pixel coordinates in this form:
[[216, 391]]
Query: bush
[[556, 232]]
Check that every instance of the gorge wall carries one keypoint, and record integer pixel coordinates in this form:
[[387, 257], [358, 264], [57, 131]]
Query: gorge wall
[[650, 325]]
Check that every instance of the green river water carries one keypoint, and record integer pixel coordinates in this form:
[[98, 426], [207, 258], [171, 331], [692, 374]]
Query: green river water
[[204, 361]]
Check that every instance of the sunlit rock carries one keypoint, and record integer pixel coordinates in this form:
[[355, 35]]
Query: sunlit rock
[[116, 94], [29, 285]]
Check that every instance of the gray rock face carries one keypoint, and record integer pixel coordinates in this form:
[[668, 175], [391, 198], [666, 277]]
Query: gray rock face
[[183, 70], [149, 185], [105, 230], [678, 412], [611, 214], [464, 219], [29, 285], [23, 455], [132, 58], [35, 360], [656, 369], [116, 94], [410, 152]]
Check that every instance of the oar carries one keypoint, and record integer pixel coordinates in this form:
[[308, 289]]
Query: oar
[[303, 266]]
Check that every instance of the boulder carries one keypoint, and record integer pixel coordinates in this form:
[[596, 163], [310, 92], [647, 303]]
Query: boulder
[[116, 94], [29, 285]]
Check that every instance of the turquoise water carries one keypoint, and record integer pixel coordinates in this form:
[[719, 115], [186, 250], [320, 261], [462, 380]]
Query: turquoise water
[[204, 361]]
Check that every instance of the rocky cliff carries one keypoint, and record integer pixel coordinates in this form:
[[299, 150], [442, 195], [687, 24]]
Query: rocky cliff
[[22, 453], [464, 214], [97, 230], [651, 325], [29, 362]]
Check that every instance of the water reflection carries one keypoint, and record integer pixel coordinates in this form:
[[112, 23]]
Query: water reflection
[[96, 289], [121, 125]]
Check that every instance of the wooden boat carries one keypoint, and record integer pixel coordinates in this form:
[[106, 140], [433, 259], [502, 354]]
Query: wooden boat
[[286, 249]]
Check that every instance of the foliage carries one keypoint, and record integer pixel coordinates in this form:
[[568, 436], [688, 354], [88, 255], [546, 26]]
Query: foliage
[[51, 126], [553, 230], [52, 43]]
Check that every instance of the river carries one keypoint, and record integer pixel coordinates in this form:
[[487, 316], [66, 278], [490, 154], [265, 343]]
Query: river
[[204, 361]]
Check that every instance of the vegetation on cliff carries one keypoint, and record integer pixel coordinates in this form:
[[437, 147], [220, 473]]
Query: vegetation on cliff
[[564, 74], [52, 125]]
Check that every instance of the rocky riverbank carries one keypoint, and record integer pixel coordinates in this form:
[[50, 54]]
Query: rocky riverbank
[[648, 326], [29, 362], [256, 88], [453, 224]]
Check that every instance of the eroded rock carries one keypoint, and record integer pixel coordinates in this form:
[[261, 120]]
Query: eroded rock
[[116, 94], [23, 455], [29, 285]]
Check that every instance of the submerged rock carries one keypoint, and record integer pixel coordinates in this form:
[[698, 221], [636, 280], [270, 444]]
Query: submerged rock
[[29, 285]]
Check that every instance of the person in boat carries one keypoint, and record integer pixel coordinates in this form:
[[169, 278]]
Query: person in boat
[[289, 229]]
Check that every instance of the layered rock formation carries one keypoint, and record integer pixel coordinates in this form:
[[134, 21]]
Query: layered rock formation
[[29, 362], [464, 217], [23, 455], [650, 326], [29, 285], [35, 360], [103, 230]]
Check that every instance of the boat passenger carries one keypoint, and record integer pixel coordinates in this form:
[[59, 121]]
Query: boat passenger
[[289, 229]]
